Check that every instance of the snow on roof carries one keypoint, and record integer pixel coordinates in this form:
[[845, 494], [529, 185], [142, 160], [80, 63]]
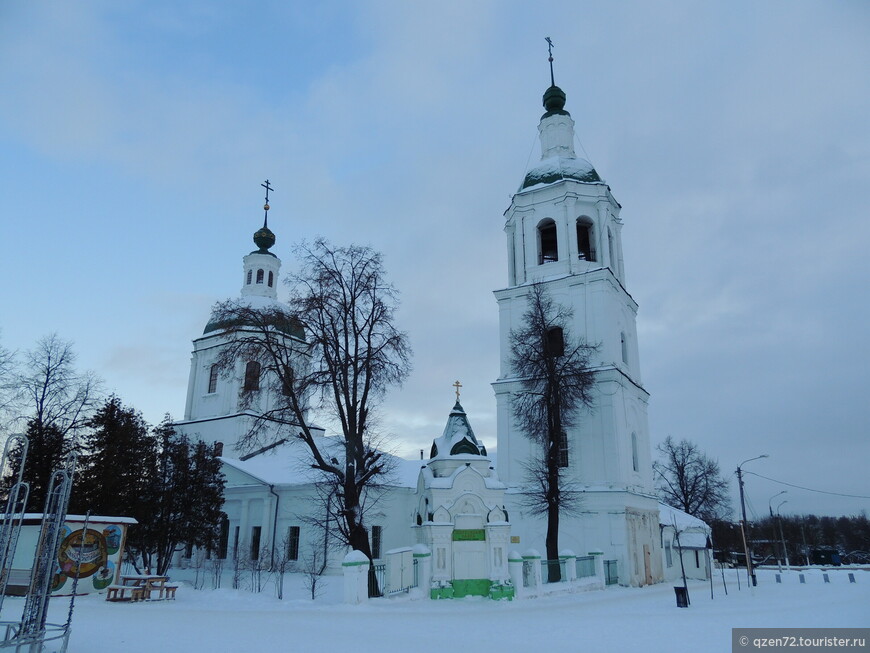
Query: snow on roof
[[556, 168], [102, 519], [290, 464], [668, 516]]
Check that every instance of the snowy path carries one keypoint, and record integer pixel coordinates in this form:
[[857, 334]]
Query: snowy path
[[619, 619]]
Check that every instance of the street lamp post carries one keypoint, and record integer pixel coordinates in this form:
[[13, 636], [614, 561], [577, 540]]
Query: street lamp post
[[782, 536], [773, 525], [750, 572]]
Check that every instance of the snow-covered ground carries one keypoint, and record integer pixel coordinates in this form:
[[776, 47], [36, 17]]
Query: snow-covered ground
[[617, 619]]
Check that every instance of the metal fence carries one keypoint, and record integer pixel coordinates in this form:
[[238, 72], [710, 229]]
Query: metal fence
[[611, 572], [554, 571], [378, 585], [585, 566]]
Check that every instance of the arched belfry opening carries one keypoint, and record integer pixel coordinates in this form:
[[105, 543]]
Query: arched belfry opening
[[585, 239], [554, 343], [548, 243]]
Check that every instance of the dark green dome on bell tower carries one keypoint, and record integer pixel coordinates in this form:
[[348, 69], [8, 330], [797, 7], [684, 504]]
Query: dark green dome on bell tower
[[264, 239], [554, 100]]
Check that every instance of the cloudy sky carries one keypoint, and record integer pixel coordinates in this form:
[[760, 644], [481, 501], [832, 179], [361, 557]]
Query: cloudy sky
[[134, 137]]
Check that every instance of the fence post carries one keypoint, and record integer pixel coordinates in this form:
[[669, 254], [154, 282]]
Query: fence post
[[356, 577], [533, 559], [570, 563], [423, 558], [598, 557], [515, 569]]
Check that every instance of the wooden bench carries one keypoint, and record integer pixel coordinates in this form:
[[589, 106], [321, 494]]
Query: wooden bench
[[170, 592], [116, 593]]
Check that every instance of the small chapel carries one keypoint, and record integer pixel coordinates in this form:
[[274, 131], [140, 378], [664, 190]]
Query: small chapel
[[563, 229]]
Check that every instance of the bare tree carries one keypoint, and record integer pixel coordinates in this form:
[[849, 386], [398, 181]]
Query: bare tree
[[51, 391], [553, 368], [313, 567], [690, 481], [7, 385], [55, 401], [335, 348]]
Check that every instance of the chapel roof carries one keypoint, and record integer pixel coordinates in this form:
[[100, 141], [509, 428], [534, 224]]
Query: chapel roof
[[458, 437]]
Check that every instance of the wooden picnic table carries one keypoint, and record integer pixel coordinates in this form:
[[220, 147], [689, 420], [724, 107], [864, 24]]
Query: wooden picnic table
[[140, 587]]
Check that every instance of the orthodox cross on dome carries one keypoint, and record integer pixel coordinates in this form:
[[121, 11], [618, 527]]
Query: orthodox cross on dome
[[550, 50], [457, 385], [266, 205]]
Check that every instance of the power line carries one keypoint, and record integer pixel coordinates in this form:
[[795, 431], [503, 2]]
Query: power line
[[808, 489]]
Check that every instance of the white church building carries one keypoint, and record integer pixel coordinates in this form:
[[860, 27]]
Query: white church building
[[563, 230]]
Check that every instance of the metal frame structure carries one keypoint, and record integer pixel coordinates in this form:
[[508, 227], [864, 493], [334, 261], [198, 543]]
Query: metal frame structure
[[32, 632]]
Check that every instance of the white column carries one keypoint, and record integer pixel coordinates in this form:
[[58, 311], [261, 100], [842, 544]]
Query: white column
[[515, 569], [570, 563], [423, 558], [244, 536], [356, 577], [533, 558]]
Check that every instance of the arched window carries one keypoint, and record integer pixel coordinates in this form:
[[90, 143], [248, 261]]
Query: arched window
[[585, 239], [624, 347], [634, 464], [271, 279], [259, 276], [554, 343], [252, 377], [249, 277], [563, 449], [212, 379], [548, 246]]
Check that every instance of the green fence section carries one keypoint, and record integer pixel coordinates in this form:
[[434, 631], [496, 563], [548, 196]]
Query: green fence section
[[611, 572], [585, 566]]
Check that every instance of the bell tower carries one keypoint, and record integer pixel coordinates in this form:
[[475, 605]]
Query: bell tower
[[563, 230]]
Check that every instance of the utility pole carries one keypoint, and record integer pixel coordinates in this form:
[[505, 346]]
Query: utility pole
[[782, 536], [750, 572], [773, 526]]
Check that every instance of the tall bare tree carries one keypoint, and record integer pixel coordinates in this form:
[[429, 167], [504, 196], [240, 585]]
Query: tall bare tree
[[553, 368], [687, 479], [55, 400], [350, 354], [7, 386], [52, 392]]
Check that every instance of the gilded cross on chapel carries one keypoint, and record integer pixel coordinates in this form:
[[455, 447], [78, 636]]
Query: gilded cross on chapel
[[457, 385]]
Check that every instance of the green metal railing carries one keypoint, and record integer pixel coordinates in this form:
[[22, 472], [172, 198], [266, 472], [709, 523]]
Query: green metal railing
[[585, 566], [611, 572]]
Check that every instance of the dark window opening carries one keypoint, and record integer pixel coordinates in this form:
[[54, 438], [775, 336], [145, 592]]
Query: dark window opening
[[259, 276], [554, 343], [584, 241], [563, 449], [634, 462], [697, 559], [624, 347], [218, 448], [252, 377], [249, 277], [548, 246], [376, 541], [293, 543], [236, 544], [255, 542], [212, 379], [271, 279]]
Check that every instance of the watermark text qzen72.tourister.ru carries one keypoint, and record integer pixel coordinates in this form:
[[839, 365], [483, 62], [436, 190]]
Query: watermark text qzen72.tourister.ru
[[809, 640]]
